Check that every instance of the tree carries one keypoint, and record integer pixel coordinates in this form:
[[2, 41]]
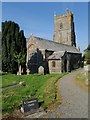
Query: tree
[[13, 41], [0, 51], [88, 48], [19, 58], [87, 54]]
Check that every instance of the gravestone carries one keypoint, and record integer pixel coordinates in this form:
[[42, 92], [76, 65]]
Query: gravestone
[[28, 71], [41, 70], [19, 72], [30, 105]]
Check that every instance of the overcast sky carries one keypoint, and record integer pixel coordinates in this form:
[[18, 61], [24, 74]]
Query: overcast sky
[[37, 18]]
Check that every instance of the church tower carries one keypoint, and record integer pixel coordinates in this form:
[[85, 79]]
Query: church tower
[[64, 29]]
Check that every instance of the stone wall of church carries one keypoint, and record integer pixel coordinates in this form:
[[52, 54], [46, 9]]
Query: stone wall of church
[[54, 66], [36, 58], [64, 29], [71, 61], [76, 60]]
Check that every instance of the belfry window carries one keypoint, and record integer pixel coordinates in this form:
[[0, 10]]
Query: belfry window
[[61, 25], [53, 64]]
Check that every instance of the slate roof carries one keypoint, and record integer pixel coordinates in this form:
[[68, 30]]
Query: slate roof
[[53, 46], [56, 55]]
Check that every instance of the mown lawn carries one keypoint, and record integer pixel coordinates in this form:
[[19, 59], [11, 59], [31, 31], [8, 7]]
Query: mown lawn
[[36, 86], [10, 79]]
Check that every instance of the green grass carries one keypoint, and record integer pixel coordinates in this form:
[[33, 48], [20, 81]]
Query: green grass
[[81, 77], [81, 80], [10, 79], [37, 86]]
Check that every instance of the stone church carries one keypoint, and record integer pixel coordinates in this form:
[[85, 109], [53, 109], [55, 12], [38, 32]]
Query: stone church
[[57, 56]]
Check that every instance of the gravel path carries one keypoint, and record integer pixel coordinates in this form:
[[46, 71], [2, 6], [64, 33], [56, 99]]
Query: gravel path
[[75, 100]]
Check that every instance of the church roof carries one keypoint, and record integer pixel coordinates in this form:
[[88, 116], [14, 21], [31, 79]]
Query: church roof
[[52, 46], [56, 55]]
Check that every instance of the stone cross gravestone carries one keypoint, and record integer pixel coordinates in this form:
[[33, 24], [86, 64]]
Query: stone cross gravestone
[[41, 70], [30, 105]]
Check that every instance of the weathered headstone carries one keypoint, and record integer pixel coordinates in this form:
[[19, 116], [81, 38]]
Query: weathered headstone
[[28, 71], [41, 70], [19, 72], [30, 105]]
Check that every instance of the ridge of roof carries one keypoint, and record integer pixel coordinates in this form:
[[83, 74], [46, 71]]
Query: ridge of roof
[[55, 45], [39, 38], [56, 55]]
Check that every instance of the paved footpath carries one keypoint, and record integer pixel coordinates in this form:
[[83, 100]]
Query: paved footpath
[[75, 100]]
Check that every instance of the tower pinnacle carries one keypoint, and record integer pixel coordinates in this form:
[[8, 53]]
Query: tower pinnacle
[[67, 11], [54, 13]]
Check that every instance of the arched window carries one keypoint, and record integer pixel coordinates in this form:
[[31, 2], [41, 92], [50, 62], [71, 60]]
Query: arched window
[[53, 64], [61, 25]]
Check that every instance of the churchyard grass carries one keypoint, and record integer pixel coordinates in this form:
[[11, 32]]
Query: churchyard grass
[[36, 86], [10, 79], [81, 80]]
